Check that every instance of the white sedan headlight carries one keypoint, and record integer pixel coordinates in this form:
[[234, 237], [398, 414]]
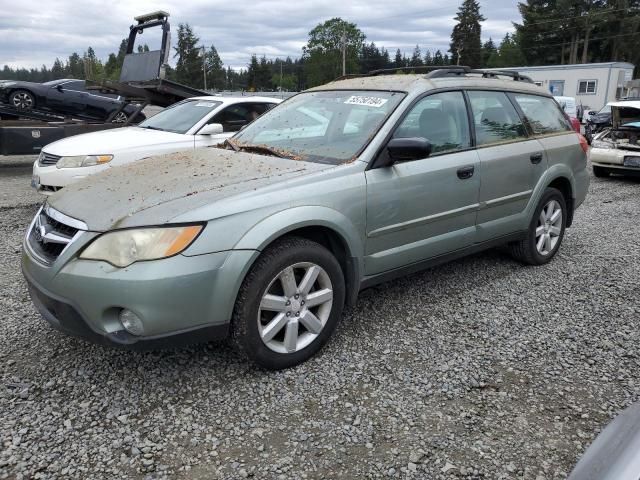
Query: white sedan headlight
[[600, 144], [124, 247], [83, 161]]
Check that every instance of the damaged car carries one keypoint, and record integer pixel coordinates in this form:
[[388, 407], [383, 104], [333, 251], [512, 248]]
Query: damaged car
[[617, 149]]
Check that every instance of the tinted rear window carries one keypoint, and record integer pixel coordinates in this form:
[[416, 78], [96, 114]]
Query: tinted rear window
[[543, 114]]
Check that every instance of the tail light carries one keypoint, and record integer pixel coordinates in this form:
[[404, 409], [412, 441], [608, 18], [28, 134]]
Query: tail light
[[583, 143], [575, 123]]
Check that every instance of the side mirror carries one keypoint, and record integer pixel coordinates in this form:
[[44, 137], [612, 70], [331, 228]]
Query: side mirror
[[407, 149], [592, 112], [211, 129]]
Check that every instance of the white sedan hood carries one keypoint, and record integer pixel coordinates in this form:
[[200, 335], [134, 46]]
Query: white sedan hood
[[113, 141]]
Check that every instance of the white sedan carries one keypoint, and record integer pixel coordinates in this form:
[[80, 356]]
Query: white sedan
[[193, 123]]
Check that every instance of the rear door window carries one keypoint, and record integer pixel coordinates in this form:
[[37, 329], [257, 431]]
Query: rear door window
[[543, 114], [495, 118]]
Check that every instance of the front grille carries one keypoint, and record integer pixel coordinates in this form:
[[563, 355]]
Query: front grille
[[47, 159], [49, 237]]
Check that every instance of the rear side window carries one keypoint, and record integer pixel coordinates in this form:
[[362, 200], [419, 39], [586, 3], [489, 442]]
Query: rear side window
[[442, 119], [543, 114], [495, 118]]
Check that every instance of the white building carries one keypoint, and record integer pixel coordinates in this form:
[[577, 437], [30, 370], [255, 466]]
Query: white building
[[592, 84]]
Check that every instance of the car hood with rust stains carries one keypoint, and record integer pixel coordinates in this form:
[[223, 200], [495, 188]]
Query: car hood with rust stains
[[157, 190]]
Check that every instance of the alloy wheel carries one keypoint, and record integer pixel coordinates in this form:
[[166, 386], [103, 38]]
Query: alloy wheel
[[549, 227], [22, 100], [295, 307], [121, 117]]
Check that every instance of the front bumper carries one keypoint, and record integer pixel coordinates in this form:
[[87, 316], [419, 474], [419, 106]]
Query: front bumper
[[613, 158], [48, 179], [177, 298]]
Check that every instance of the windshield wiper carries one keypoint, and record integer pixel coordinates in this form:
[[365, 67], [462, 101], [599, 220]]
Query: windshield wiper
[[229, 143], [268, 150], [149, 127]]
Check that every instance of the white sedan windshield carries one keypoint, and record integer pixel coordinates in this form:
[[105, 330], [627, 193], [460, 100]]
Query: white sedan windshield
[[325, 126], [180, 117]]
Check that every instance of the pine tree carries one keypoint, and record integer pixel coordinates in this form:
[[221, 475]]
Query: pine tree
[[215, 70], [189, 63], [397, 62], [466, 46], [57, 70], [416, 57], [428, 59], [438, 59], [488, 49]]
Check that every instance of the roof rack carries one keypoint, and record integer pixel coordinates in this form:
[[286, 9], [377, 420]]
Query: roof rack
[[460, 71], [434, 71]]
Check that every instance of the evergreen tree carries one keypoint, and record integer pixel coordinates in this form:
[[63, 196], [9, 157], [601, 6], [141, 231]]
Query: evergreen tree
[[75, 67], [488, 49], [189, 64], [438, 59], [416, 57], [57, 70], [466, 47], [215, 70], [397, 63], [428, 59]]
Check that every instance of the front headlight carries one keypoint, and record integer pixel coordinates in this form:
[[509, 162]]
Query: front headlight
[[124, 247], [83, 161], [600, 144]]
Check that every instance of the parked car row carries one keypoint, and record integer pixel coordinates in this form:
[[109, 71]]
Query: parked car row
[[193, 123]]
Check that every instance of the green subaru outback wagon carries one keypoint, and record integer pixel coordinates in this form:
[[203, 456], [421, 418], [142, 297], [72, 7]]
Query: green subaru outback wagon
[[266, 237]]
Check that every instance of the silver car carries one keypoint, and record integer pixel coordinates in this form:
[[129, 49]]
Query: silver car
[[268, 236]]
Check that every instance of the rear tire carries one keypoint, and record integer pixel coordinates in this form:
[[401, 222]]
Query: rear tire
[[22, 100], [600, 172], [545, 232], [289, 303]]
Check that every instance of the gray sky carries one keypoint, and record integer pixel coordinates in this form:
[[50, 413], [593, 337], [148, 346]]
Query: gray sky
[[34, 32]]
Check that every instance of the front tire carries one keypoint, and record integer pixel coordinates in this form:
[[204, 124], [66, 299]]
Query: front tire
[[545, 232], [22, 100], [289, 303]]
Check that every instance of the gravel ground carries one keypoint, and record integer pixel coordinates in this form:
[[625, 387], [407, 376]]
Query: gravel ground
[[479, 369]]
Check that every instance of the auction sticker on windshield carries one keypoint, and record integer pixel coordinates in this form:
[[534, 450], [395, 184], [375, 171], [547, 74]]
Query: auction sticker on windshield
[[376, 102], [206, 104]]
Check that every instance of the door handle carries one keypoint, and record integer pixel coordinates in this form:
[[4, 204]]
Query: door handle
[[536, 158], [466, 172]]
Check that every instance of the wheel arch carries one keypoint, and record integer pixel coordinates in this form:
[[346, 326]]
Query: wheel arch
[[325, 226], [563, 184]]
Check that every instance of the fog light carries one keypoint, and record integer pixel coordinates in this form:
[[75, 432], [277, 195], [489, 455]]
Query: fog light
[[131, 322]]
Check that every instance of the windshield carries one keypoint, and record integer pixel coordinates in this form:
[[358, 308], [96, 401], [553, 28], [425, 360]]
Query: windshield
[[180, 117], [325, 127]]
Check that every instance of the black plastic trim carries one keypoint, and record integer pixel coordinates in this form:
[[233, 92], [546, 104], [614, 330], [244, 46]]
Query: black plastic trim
[[372, 280]]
